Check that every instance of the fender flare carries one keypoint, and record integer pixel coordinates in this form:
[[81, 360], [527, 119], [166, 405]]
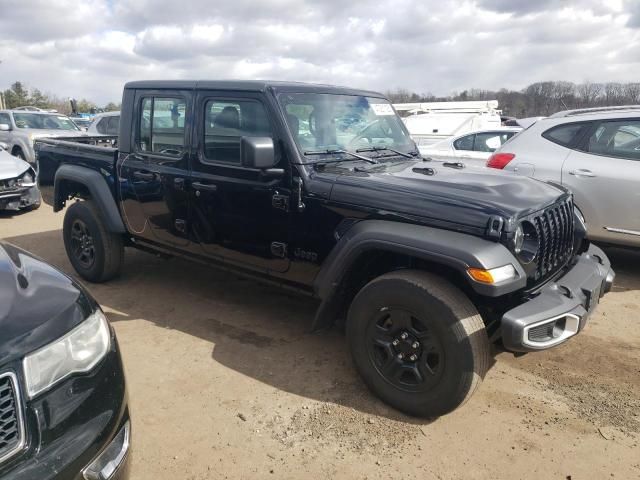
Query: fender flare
[[98, 188], [456, 250]]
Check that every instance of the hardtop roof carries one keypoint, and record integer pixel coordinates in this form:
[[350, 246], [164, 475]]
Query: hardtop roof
[[249, 86]]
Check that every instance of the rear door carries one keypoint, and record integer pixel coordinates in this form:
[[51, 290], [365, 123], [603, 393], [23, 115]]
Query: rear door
[[153, 176], [238, 214], [604, 175]]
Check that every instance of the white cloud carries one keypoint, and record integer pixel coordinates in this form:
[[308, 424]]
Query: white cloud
[[90, 48]]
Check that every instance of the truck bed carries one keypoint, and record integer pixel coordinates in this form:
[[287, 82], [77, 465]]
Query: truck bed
[[96, 153]]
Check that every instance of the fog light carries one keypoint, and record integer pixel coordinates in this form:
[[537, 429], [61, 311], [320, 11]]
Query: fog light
[[108, 462]]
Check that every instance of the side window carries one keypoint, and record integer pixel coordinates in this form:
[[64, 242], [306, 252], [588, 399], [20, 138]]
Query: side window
[[491, 141], [161, 125], [226, 121], [564, 134], [113, 126], [464, 143], [101, 127], [617, 138], [488, 141]]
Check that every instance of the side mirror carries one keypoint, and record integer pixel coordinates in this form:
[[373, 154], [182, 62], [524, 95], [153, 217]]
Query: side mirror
[[257, 152], [4, 146], [4, 127]]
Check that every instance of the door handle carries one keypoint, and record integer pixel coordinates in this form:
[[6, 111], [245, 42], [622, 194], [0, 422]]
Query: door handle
[[209, 187], [581, 172]]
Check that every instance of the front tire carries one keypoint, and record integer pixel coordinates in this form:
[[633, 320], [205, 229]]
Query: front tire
[[95, 253], [418, 342]]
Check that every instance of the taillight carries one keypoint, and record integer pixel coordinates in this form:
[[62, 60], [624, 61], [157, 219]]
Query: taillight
[[500, 160]]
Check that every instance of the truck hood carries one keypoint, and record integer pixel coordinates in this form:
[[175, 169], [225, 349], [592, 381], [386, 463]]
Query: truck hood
[[38, 303], [10, 166], [434, 191]]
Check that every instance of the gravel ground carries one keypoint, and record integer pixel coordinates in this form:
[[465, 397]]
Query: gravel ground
[[226, 382]]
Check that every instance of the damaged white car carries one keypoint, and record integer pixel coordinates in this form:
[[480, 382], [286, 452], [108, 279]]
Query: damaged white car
[[18, 183]]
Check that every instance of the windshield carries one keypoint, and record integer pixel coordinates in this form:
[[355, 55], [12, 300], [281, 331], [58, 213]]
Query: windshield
[[43, 122], [352, 123]]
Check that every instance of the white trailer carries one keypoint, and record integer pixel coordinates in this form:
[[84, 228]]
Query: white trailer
[[434, 121]]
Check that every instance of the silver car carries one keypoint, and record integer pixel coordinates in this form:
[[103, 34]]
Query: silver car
[[18, 183], [596, 154], [19, 129], [474, 147], [107, 123]]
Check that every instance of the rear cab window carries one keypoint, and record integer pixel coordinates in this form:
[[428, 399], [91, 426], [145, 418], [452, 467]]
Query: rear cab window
[[161, 125]]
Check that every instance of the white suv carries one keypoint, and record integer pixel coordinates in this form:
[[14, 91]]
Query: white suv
[[596, 154]]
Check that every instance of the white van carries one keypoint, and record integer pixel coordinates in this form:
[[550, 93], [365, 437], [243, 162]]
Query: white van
[[429, 123]]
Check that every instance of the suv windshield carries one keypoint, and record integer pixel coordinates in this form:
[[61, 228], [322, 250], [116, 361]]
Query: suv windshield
[[330, 123], [43, 122]]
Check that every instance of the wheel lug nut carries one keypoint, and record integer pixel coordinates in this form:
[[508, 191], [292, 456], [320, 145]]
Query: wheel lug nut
[[401, 356], [415, 345], [396, 342], [404, 336], [413, 358]]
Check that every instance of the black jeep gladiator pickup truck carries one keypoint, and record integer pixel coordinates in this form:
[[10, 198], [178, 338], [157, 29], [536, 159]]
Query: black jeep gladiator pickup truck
[[321, 189]]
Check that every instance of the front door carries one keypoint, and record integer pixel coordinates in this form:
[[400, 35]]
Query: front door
[[605, 178], [153, 177], [237, 214]]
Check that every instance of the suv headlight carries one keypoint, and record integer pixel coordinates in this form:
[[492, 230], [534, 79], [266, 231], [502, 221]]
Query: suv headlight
[[526, 242], [77, 352]]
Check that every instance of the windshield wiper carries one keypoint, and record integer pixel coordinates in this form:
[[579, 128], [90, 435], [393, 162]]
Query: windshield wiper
[[381, 149], [334, 152]]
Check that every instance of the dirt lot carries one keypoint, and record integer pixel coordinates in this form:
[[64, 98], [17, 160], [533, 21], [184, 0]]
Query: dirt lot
[[225, 382]]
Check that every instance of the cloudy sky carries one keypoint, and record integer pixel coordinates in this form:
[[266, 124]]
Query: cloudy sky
[[89, 48]]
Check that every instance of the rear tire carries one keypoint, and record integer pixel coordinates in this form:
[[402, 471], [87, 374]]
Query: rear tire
[[418, 342], [95, 253]]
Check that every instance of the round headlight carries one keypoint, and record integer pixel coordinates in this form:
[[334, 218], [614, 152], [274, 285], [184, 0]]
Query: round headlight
[[526, 242]]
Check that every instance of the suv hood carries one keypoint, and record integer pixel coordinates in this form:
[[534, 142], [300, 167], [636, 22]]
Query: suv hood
[[38, 303], [10, 166], [434, 191], [43, 133]]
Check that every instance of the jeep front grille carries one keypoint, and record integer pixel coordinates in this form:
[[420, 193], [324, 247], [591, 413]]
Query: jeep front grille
[[12, 435], [555, 231]]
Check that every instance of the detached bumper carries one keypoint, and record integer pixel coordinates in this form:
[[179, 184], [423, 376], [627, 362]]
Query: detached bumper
[[562, 308]]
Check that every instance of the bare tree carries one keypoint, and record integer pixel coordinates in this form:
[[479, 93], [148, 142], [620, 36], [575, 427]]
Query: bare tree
[[589, 93]]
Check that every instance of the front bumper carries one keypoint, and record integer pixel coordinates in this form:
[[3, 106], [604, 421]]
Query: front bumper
[[562, 308], [19, 198], [77, 425]]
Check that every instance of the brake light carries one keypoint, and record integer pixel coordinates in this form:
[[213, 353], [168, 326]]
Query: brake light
[[500, 160]]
